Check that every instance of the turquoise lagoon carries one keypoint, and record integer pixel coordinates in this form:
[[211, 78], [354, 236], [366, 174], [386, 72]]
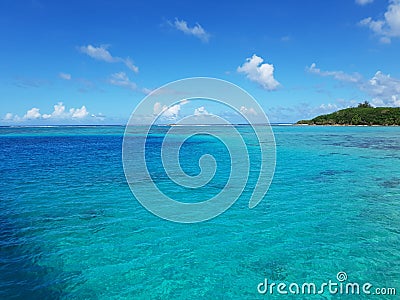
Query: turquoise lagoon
[[71, 228]]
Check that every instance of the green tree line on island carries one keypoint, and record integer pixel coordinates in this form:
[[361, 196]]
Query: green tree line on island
[[363, 114]]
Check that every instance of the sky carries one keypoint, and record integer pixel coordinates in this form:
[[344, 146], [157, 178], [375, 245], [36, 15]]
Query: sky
[[92, 62]]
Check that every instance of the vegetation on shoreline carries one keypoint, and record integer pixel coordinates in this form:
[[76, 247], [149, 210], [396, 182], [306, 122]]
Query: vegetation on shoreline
[[364, 114]]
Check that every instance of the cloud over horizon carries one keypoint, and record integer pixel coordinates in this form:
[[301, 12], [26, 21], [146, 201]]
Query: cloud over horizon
[[338, 75], [59, 113], [383, 89], [200, 111], [168, 113]]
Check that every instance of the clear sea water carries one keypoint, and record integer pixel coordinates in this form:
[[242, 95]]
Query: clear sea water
[[70, 227]]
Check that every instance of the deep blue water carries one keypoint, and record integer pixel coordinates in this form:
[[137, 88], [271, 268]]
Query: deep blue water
[[70, 227]]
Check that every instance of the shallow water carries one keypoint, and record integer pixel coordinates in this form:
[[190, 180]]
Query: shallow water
[[70, 227]]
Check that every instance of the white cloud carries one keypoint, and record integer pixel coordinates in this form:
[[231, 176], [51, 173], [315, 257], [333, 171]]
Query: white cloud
[[200, 111], [327, 108], [338, 75], [129, 63], [196, 30], [121, 79], [172, 112], [383, 89], [312, 111], [101, 53], [79, 113], [146, 91], [303, 111], [248, 111], [166, 112], [388, 27], [364, 2], [158, 108], [259, 72], [8, 117], [65, 76], [98, 116], [33, 113], [60, 112]]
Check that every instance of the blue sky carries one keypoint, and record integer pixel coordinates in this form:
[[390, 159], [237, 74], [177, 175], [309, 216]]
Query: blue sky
[[92, 62]]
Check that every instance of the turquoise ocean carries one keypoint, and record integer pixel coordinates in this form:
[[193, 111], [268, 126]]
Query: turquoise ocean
[[70, 227]]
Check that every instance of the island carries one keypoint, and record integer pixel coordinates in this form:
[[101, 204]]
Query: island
[[363, 114]]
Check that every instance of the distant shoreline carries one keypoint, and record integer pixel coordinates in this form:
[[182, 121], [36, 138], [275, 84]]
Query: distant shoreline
[[363, 115], [343, 125], [197, 125]]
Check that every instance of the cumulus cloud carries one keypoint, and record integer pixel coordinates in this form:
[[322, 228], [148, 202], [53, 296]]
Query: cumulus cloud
[[158, 108], [383, 89], [389, 26], [121, 79], [8, 117], [167, 112], [79, 112], [364, 2], [101, 53], [59, 113], [338, 75], [259, 72], [196, 30], [200, 111], [33, 113], [170, 113], [65, 76]]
